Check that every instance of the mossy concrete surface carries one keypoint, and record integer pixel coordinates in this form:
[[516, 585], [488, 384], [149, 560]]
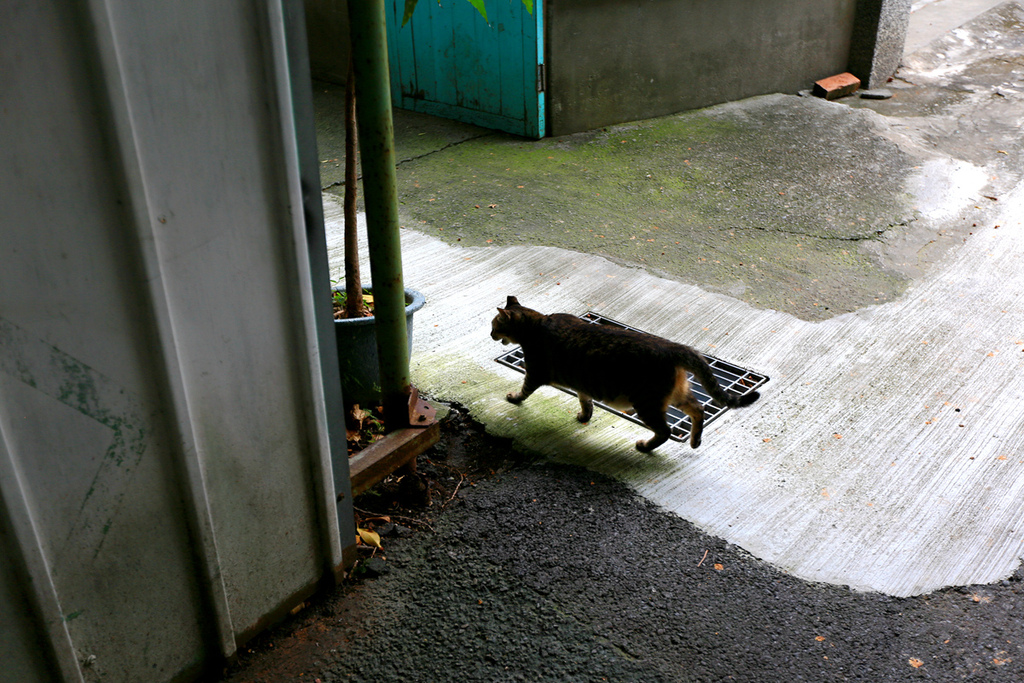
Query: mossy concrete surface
[[785, 202]]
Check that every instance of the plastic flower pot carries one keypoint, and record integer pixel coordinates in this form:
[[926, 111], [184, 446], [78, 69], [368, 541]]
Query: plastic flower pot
[[357, 352]]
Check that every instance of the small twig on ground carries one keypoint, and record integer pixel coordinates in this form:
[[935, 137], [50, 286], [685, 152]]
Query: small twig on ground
[[462, 478], [404, 519], [703, 558], [381, 518]]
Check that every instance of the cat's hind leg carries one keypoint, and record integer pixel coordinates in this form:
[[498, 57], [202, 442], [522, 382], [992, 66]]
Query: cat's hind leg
[[682, 397], [652, 415], [692, 407], [586, 407]]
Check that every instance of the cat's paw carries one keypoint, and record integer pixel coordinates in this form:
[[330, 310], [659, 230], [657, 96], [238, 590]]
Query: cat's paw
[[514, 399], [694, 441], [583, 418], [643, 447]]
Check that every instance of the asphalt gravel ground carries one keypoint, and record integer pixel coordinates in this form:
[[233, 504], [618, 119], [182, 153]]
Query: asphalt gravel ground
[[543, 572]]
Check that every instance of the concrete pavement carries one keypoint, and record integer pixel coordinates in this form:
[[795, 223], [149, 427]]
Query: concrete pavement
[[887, 452], [933, 18]]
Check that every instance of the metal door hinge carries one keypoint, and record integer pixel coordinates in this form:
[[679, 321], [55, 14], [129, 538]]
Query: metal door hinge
[[542, 78]]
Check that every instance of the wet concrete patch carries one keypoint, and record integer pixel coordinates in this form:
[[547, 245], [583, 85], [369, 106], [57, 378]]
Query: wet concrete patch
[[962, 95]]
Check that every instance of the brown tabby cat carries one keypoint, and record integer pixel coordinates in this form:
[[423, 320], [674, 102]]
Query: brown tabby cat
[[619, 367]]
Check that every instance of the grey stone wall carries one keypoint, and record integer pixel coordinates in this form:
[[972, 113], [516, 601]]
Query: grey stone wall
[[880, 31]]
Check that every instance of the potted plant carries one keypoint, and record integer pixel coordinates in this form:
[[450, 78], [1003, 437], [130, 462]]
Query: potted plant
[[354, 323], [357, 347]]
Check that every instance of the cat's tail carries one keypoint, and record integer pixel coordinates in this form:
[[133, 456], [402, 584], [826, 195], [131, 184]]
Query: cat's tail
[[696, 364]]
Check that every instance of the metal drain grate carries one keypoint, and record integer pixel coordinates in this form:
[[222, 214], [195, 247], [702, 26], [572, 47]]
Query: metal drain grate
[[731, 377]]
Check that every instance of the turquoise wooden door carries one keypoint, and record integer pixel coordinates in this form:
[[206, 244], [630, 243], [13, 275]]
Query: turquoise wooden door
[[448, 62]]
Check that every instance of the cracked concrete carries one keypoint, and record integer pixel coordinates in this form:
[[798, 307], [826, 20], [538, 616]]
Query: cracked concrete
[[416, 135], [424, 155]]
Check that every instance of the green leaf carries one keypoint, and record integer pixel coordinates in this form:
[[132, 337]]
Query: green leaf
[[410, 7], [479, 5]]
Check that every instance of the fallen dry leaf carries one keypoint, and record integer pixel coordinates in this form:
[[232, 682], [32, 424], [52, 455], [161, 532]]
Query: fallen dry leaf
[[370, 538], [820, 639], [916, 663], [718, 567]]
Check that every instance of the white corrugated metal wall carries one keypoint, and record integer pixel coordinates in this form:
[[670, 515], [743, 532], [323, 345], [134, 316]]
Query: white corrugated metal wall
[[166, 485]]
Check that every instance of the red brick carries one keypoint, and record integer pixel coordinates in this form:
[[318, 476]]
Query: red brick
[[836, 86]]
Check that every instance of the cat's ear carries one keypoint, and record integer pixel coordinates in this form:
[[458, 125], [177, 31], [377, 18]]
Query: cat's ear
[[512, 301], [502, 313]]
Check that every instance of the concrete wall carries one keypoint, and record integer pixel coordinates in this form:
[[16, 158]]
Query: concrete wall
[[167, 410], [620, 60], [611, 61], [327, 28]]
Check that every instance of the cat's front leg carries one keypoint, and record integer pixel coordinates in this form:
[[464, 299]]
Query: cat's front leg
[[529, 386], [586, 407]]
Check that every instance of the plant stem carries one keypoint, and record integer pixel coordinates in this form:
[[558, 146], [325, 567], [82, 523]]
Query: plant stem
[[368, 31], [353, 282]]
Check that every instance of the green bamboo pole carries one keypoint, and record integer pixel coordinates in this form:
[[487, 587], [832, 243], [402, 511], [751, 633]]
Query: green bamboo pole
[[376, 142]]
